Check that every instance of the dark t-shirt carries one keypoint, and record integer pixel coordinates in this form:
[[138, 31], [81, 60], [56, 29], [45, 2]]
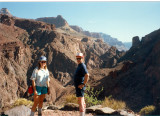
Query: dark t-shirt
[[79, 74]]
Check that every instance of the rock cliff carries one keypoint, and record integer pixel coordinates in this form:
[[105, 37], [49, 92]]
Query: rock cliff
[[137, 81], [15, 58]]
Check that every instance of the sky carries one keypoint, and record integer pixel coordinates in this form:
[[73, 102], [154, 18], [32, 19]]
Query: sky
[[119, 19]]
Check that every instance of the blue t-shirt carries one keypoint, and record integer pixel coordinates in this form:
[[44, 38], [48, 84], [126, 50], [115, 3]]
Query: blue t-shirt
[[79, 74]]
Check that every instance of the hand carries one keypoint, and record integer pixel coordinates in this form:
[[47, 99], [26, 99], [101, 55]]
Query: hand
[[49, 91], [35, 93], [81, 86]]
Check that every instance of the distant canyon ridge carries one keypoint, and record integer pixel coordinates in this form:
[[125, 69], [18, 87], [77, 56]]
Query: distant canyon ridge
[[60, 22]]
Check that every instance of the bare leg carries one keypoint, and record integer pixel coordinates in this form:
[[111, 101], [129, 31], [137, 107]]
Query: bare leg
[[41, 98], [82, 106], [36, 101]]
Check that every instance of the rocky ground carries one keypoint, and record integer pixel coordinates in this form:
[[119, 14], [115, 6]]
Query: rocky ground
[[69, 109], [62, 113]]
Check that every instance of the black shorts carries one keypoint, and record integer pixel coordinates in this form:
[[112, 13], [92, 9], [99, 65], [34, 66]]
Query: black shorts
[[80, 92]]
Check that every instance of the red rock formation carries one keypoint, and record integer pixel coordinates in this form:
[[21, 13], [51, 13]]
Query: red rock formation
[[14, 62]]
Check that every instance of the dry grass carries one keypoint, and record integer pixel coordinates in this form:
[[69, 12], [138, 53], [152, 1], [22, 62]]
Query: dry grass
[[71, 99], [147, 110], [22, 101], [114, 104]]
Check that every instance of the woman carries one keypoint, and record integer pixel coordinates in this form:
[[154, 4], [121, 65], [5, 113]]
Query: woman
[[40, 82]]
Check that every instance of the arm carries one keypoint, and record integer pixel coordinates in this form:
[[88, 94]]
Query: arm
[[86, 78], [34, 87], [48, 87]]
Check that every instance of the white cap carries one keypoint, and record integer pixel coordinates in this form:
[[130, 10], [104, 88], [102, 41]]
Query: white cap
[[42, 58], [79, 55]]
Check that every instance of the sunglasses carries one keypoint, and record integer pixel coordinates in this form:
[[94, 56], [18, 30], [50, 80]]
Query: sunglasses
[[78, 58], [43, 61]]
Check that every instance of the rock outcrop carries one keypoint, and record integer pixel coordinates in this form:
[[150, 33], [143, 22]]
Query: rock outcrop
[[5, 11], [110, 58], [7, 20], [135, 41], [77, 28], [58, 21]]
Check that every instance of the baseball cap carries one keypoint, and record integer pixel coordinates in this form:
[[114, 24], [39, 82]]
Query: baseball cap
[[79, 55], [42, 58]]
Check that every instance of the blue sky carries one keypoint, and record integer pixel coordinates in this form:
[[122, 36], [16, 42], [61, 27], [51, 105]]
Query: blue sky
[[121, 20]]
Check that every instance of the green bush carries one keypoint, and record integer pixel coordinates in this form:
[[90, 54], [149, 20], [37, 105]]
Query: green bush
[[91, 96], [147, 110]]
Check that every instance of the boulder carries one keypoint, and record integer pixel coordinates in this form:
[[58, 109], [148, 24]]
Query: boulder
[[93, 108], [19, 111], [106, 111]]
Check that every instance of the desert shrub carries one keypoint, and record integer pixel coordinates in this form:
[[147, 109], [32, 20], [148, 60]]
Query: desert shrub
[[112, 103], [22, 101], [91, 96], [147, 110], [71, 99]]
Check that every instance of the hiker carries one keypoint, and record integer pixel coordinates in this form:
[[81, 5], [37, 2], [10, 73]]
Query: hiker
[[81, 77], [40, 82]]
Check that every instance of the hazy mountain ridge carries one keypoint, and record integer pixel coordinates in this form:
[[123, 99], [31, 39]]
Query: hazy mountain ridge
[[128, 45], [107, 38]]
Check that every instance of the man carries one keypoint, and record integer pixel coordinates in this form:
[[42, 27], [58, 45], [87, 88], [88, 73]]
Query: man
[[80, 79]]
